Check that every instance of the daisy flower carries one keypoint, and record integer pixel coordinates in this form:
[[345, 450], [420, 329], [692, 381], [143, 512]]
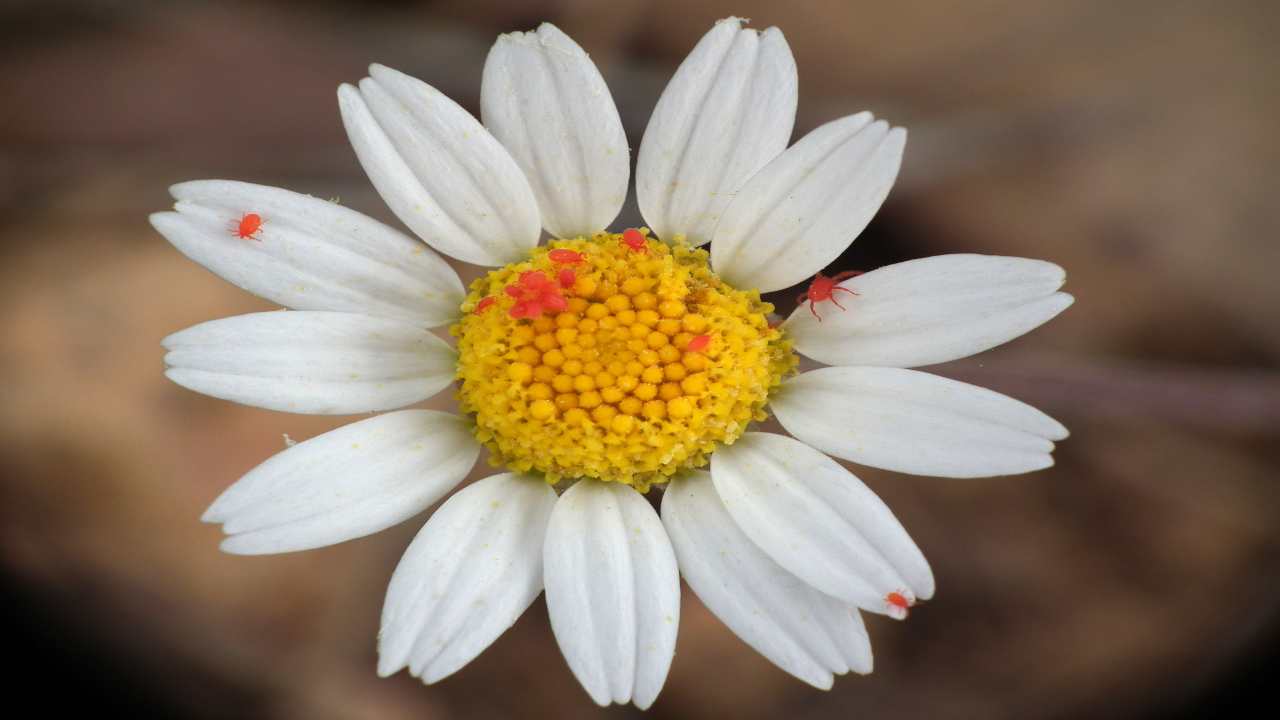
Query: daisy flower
[[602, 365]]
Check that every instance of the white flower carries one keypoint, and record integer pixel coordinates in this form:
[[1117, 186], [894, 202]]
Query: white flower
[[778, 539]]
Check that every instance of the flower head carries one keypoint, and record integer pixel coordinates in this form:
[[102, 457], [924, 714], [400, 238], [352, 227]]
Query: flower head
[[607, 364]]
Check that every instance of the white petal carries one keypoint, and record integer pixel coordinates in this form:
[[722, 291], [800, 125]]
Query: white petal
[[469, 574], [819, 521], [346, 483], [850, 636], [931, 310], [439, 170], [727, 112], [322, 363], [310, 254], [803, 209], [544, 99], [806, 633], [914, 422], [613, 591]]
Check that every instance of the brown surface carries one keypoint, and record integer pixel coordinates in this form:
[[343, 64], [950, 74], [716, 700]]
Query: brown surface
[[1135, 147]]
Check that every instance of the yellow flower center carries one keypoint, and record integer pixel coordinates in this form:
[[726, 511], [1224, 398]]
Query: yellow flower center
[[618, 358]]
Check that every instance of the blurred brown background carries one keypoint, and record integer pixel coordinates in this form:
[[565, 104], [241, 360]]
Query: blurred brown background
[[1133, 143]]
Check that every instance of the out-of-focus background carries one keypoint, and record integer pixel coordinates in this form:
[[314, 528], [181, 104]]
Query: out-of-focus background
[[1133, 143]]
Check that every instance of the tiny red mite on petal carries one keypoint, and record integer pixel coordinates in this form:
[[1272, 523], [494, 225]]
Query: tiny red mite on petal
[[248, 227], [561, 255], [567, 278], [699, 343], [824, 288], [899, 604], [484, 304], [634, 240]]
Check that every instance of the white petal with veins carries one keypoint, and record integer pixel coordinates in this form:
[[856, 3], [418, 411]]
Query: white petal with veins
[[613, 591], [321, 363], [803, 209], [819, 521], [544, 99], [915, 422], [728, 110], [347, 483], [310, 254], [805, 632], [470, 573], [930, 310], [439, 170]]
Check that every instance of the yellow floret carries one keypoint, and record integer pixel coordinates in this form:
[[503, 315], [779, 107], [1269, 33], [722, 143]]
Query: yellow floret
[[607, 388], [679, 407], [519, 372], [542, 409]]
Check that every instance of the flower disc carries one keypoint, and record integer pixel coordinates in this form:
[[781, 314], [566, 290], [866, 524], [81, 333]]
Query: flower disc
[[618, 358]]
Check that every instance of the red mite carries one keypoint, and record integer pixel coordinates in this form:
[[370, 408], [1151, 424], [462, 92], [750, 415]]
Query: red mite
[[248, 227], [566, 257], [699, 343], [632, 238], [825, 288], [484, 304], [567, 278], [534, 293], [898, 601]]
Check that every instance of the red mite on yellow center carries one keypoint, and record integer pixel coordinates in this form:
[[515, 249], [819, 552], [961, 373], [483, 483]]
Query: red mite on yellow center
[[616, 357], [699, 343], [634, 240], [534, 294], [567, 257]]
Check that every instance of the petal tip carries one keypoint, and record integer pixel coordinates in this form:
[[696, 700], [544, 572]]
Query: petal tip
[[214, 514], [388, 665], [178, 190], [160, 219], [431, 676], [237, 545], [1060, 432], [549, 34], [772, 32], [348, 93], [505, 41], [926, 591], [823, 683], [365, 85]]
